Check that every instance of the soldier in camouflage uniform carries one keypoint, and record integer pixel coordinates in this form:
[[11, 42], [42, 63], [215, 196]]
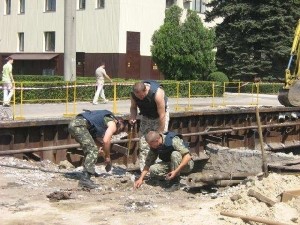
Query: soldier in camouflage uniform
[[149, 97], [93, 130], [174, 155]]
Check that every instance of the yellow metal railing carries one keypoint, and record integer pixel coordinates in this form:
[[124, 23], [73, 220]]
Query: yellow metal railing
[[184, 95]]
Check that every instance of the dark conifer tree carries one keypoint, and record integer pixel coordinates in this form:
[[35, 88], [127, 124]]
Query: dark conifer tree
[[255, 37]]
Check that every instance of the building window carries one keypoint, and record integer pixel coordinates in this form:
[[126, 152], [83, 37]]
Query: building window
[[100, 4], [7, 7], [21, 41], [81, 4], [50, 41], [199, 6], [21, 6], [50, 5], [169, 3]]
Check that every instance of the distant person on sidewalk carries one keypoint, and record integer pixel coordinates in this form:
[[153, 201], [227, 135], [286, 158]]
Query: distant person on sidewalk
[[174, 155], [8, 82], [149, 97], [93, 130], [100, 77]]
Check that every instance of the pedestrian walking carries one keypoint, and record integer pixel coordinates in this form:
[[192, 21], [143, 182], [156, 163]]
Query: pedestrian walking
[[100, 74], [8, 82]]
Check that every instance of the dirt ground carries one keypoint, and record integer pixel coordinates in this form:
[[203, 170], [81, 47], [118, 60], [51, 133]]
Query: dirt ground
[[38, 193]]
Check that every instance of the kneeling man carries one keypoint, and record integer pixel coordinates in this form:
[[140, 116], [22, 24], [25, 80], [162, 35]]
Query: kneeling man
[[174, 155]]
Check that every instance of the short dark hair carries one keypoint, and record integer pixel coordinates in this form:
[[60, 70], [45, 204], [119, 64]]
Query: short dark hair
[[9, 58], [138, 87]]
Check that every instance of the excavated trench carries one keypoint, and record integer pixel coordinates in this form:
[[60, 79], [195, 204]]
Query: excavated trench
[[226, 144]]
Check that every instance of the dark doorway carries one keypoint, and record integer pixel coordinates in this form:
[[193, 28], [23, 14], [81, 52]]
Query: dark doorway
[[133, 56]]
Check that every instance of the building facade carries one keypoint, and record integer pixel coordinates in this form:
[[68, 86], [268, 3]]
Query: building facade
[[117, 32]]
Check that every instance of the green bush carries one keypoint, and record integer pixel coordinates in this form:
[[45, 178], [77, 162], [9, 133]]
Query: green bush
[[218, 77], [263, 88], [36, 78], [47, 89]]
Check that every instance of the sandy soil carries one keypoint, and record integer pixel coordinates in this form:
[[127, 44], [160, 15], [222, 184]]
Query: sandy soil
[[38, 193]]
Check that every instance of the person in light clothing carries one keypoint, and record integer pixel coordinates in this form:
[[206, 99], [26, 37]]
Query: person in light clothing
[[8, 82], [100, 77]]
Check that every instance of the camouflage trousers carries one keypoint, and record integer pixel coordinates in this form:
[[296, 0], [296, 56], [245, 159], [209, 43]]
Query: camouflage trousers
[[160, 169], [78, 129], [147, 125]]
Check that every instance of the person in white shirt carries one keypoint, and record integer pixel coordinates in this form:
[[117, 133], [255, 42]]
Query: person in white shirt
[[8, 82], [100, 77]]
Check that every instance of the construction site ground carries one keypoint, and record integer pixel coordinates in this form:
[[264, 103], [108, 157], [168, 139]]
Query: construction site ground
[[43, 193], [37, 193]]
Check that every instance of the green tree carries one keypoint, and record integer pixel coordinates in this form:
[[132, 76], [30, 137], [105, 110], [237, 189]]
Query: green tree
[[255, 36], [183, 50]]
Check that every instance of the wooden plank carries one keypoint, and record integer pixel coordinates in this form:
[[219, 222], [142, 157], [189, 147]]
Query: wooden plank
[[252, 218], [291, 165], [260, 197], [289, 195]]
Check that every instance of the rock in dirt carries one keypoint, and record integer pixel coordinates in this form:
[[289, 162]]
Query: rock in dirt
[[59, 195]]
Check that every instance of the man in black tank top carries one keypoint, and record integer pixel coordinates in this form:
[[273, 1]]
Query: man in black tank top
[[149, 98]]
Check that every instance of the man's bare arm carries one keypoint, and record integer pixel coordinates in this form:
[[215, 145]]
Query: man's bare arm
[[161, 109], [133, 110], [111, 129], [139, 182], [11, 76], [105, 74]]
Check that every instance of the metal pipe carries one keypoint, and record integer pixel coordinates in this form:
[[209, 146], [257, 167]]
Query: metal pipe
[[275, 125], [52, 148]]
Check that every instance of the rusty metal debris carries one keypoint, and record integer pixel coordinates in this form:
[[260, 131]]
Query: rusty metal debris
[[220, 179]]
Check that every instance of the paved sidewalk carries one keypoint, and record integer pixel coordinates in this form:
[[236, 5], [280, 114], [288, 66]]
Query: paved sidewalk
[[60, 110]]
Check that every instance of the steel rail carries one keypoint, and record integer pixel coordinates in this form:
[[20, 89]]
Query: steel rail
[[201, 133]]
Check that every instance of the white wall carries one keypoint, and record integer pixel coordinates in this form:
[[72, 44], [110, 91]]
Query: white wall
[[98, 29], [33, 23], [144, 16]]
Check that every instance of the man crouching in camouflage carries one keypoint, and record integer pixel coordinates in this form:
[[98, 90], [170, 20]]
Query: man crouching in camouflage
[[175, 159], [93, 129]]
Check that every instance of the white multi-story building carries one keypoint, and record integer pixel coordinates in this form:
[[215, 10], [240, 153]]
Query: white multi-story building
[[117, 32]]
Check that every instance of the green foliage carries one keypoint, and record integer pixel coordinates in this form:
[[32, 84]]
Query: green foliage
[[59, 91], [262, 88], [36, 78], [254, 37], [218, 77], [183, 51]]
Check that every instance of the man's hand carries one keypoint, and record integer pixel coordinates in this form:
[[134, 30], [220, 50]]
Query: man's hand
[[100, 151], [171, 175], [138, 183], [132, 122], [108, 164]]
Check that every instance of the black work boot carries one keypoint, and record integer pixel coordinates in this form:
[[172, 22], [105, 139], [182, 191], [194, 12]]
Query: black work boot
[[86, 181], [173, 185]]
